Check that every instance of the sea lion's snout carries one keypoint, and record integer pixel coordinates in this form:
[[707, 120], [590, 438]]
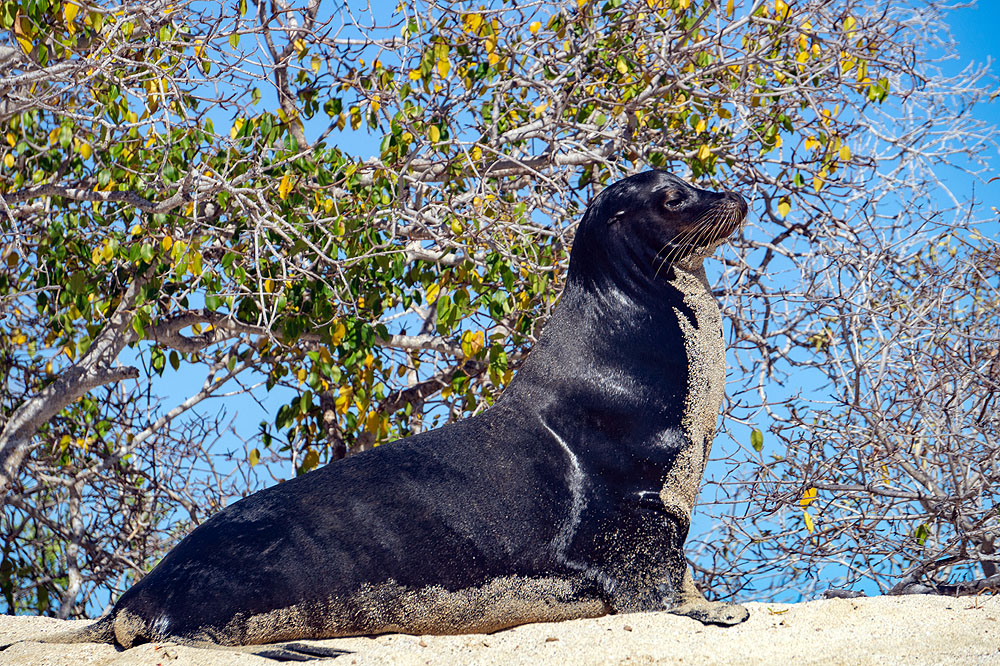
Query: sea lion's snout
[[722, 213], [735, 200], [733, 213]]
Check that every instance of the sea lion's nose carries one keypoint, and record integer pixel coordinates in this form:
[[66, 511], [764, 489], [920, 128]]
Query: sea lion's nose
[[738, 200]]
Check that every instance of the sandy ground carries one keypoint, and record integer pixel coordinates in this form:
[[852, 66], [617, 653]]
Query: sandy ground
[[880, 630]]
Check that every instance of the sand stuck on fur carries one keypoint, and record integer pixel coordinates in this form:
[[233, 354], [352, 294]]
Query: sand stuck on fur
[[879, 630]]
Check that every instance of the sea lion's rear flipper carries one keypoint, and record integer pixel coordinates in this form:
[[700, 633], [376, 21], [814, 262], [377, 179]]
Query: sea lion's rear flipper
[[693, 604], [299, 652]]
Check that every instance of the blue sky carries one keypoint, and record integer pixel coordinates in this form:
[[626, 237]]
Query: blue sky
[[975, 31]]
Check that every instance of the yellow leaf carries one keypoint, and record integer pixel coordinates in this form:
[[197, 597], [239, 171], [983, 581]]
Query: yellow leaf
[[415, 75], [704, 152], [811, 143], [700, 127], [300, 46], [783, 208], [817, 183], [807, 497], [780, 9], [136, 229], [432, 293], [167, 243], [621, 65], [315, 64], [311, 460], [8, 161], [443, 67], [472, 343], [845, 154], [472, 22], [477, 153], [199, 47], [339, 331], [372, 421], [729, 9], [344, 396], [285, 187], [434, 133], [237, 126], [269, 286], [69, 13], [11, 140], [537, 25], [83, 148], [582, 3], [25, 44], [254, 457], [808, 521]]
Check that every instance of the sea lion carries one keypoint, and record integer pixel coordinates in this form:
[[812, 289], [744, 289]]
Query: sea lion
[[571, 497]]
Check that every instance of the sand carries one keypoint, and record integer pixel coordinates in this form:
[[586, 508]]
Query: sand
[[879, 630]]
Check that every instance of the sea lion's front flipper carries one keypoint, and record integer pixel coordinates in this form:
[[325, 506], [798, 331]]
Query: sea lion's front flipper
[[693, 604]]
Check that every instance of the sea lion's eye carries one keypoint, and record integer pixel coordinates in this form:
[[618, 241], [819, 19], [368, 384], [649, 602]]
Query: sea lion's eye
[[672, 198]]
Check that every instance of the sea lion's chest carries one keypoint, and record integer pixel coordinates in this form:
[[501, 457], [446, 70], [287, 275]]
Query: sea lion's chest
[[700, 323]]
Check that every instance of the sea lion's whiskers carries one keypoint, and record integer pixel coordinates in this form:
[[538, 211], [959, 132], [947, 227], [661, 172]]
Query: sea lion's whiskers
[[678, 241], [707, 220]]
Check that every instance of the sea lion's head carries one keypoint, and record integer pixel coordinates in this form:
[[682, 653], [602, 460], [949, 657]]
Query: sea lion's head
[[652, 221]]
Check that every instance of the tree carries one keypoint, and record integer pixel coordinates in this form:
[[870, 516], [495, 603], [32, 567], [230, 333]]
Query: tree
[[177, 194]]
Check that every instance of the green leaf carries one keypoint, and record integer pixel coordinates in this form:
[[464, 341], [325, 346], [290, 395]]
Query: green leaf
[[159, 361], [756, 439]]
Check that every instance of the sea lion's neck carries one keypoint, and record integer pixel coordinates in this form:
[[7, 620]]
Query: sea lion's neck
[[626, 333]]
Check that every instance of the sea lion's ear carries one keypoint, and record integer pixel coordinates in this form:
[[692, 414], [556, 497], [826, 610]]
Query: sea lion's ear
[[672, 197], [616, 217]]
